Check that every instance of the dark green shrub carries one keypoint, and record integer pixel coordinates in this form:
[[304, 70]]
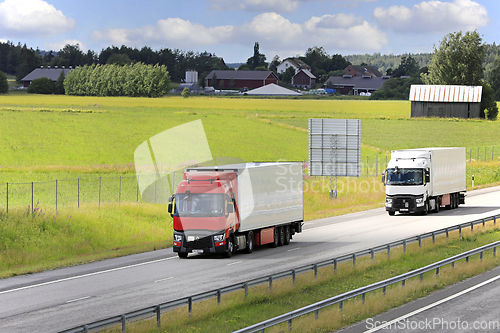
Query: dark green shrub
[[42, 85], [4, 84]]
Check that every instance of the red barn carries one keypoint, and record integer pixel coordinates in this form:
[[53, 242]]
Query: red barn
[[240, 79], [304, 79]]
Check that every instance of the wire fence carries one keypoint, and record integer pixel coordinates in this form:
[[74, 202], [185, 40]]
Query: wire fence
[[98, 190]]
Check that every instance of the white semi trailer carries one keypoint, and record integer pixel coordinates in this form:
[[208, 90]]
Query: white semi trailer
[[425, 179]]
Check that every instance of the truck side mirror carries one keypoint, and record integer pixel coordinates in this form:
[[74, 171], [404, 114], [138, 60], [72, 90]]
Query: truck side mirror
[[229, 208], [383, 178], [170, 205]]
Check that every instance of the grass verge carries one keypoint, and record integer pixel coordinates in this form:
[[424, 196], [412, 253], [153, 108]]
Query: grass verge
[[46, 239], [237, 311]]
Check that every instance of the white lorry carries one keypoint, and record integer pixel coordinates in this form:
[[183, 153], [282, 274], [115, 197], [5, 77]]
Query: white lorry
[[227, 208], [425, 179]]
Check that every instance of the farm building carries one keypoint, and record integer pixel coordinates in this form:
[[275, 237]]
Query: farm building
[[303, 79], [240, 79], [51, 73], [362, 71], [272, 90], [445, 101], [358, 85], [295, 63]]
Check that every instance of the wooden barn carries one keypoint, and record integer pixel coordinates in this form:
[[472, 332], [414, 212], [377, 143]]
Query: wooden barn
[[445, 101], [51, 73], [303, 79], [240, 79]]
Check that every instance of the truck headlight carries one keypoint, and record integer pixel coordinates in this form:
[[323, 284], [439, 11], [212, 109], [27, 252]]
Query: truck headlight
[[219, 238], [388, 202], [178, 238], [419, 202]]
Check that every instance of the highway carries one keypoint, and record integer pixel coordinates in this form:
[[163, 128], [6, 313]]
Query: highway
[[55, 300]]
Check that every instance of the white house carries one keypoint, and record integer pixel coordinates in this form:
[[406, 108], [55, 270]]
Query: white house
[[297, 64]]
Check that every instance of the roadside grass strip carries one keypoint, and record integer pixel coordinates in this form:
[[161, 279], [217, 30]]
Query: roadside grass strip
[[237, 311]]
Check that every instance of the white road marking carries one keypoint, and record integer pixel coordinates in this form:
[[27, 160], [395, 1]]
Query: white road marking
[[165, 279], [233, 263], [84, 275], [78, 299], [343, 237], [433, 305], [296, 248]]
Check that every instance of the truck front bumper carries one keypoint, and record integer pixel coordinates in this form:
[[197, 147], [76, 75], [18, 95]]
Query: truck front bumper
[[202, 245], [405, 204]]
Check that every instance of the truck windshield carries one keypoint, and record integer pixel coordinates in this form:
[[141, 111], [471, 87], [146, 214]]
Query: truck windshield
[[199, 204], [402, 176]]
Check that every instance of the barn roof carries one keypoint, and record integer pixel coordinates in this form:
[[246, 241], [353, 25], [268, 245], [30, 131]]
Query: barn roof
[[308, 73], [445, 93], [240, 75], [51, 73], [372, 83]]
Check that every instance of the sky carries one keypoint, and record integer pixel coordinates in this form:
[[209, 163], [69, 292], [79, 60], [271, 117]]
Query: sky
[[230, 28]]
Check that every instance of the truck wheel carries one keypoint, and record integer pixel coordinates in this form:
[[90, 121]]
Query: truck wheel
[[438, 203], [275, 243], [391, 212], [182, 255], [281, 238], [249, 248], [288, 235], [230, 248], [426, 208]]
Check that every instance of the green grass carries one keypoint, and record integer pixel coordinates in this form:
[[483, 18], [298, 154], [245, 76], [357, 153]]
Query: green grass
[[32, 242], [236, 311]]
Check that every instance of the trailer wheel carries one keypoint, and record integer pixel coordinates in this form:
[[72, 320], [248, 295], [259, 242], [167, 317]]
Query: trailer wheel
[[281, 236], [249, 248], [182, 255], [288, 235], [275, 243], [230, 248]]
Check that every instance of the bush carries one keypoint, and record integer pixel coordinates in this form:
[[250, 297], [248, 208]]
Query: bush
[[185, 92], [42, 85], [114, 80], [4, 84]]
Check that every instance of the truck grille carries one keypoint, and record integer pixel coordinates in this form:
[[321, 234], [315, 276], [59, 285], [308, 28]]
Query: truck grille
[[202, 243], [399, 203]]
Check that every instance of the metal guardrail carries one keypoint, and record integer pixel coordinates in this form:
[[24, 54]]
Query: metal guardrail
[[339, 299], [157, 309]]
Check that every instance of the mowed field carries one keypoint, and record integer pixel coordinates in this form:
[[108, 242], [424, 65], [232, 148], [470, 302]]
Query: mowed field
[[64, 137]]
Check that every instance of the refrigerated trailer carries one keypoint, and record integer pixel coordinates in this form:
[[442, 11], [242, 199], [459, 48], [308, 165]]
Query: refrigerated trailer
[[227, 208], [425, 179]]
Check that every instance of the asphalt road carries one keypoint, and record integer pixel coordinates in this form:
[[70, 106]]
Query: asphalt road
[[468, 306], [55, 300]]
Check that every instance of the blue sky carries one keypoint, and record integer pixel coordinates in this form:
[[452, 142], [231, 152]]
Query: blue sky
[[229, 28]]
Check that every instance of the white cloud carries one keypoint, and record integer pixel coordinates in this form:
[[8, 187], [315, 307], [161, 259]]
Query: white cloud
[[433, 16], [279, 6], [32, 17], [275, 34]]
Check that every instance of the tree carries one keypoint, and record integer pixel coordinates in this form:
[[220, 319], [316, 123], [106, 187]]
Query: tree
[[185, 92], [258, 59], [407, 67], [494, 78], [317, 58], [119, 59], [458, 61], [59, 85], [4, 84], [488, 104], [288, 75], [42, 85], [214, 80], [274, 64]]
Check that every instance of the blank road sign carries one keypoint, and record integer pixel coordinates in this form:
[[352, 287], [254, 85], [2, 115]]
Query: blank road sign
[[334, 147]]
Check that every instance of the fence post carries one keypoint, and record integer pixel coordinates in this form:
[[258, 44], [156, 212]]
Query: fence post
[[124, 323], [32, 194], [56, 195], [271, 284], [478, 154], [78, 185], [119, 189], [470, 155], [158, 316], [99, 191]]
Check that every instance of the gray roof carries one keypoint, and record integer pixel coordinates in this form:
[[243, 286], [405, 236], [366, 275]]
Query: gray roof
[[308, 73], [240, 75], [373, 83], [365, 70], [274, 90], [51, 73], [297, 63]]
